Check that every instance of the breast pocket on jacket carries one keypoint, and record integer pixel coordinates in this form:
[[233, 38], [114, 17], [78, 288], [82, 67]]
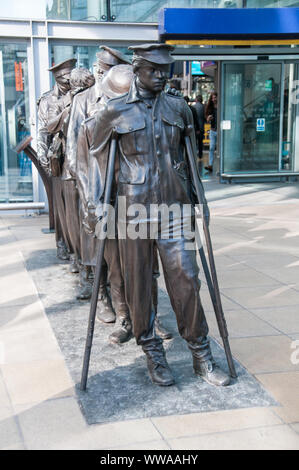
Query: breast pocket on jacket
[[173, 129], [132, 138]]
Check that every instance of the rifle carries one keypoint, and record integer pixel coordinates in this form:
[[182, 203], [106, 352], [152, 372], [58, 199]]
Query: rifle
[[25, 146], [211, 277], [55, 154], [100, 256]]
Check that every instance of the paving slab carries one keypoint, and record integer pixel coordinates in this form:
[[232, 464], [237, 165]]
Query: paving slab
[[284, 387], [18, 318], [29, 345], [265, 296], [37, 382], [241, 324], [265, 354], [5, 403], [268, 261], [10, 437], [285, 319], [57, 424], [214, 422], [154, 445], [264, 438], [245, 278], [50, 424], [295, 427]]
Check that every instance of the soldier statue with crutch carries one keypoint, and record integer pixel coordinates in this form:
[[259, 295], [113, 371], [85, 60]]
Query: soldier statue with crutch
[[151, 134]]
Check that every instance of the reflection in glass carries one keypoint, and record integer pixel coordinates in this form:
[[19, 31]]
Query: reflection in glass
[[119, 10], [136, 11], [77, 10], [271, 3], [289, 117], [252, 106], [15, 170]]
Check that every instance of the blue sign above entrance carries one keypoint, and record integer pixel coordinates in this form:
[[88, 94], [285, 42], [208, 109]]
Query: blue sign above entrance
[[229, 23]]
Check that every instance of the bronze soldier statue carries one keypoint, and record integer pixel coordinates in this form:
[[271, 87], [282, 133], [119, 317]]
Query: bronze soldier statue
[[150, 126], [59, 114], [61, 74], [115, 82], [85, 105]]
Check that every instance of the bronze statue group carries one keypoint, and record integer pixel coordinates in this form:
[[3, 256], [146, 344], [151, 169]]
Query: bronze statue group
[[78, 120]]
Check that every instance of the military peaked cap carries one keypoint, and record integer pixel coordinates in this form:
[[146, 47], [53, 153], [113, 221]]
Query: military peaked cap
[[155, 53], [111, 56], [66, 65]]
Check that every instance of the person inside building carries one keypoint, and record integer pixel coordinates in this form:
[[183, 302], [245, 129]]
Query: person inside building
[[211, 117], [174, 88], [200, 120]]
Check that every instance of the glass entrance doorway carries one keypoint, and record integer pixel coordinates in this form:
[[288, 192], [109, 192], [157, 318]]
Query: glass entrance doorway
[[258, 118], [15, 170]]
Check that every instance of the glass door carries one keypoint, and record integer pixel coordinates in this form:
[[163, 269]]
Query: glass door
[[15, 170], [251, 117]]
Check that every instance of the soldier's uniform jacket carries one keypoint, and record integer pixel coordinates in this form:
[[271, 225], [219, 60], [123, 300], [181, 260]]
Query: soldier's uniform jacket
[[152, 163], [85, 104], [44, 137], [58, 112], [88, 177]]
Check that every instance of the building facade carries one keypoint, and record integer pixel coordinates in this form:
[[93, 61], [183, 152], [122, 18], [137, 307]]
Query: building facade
[[259, 113]]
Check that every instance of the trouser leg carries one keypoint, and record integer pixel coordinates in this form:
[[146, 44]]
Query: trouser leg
[[181, 277], [182, 283], [159, 327], [123, 326], [156, 274], [136, 258], [72, 216], [61, 235], [213, 138], [199, 143], [115, 277]]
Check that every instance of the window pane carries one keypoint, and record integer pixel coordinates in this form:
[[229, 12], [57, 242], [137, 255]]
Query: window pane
[[15, 170], [23, 9], [271, 3], [145, 11]]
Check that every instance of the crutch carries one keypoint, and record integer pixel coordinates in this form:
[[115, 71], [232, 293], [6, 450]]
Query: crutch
[[211, 277], [100, 256]]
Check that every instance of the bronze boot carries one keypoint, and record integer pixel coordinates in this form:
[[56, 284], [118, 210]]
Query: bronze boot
[[105, 312], [161, 330], [62, 251], [85, 283], [74, 265], [210, 372], [158, 368], [123, 329], [204, 364]]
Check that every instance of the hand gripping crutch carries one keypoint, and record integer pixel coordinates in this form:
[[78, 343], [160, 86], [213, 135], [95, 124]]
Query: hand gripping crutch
[[98, 270], [211, 277]]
